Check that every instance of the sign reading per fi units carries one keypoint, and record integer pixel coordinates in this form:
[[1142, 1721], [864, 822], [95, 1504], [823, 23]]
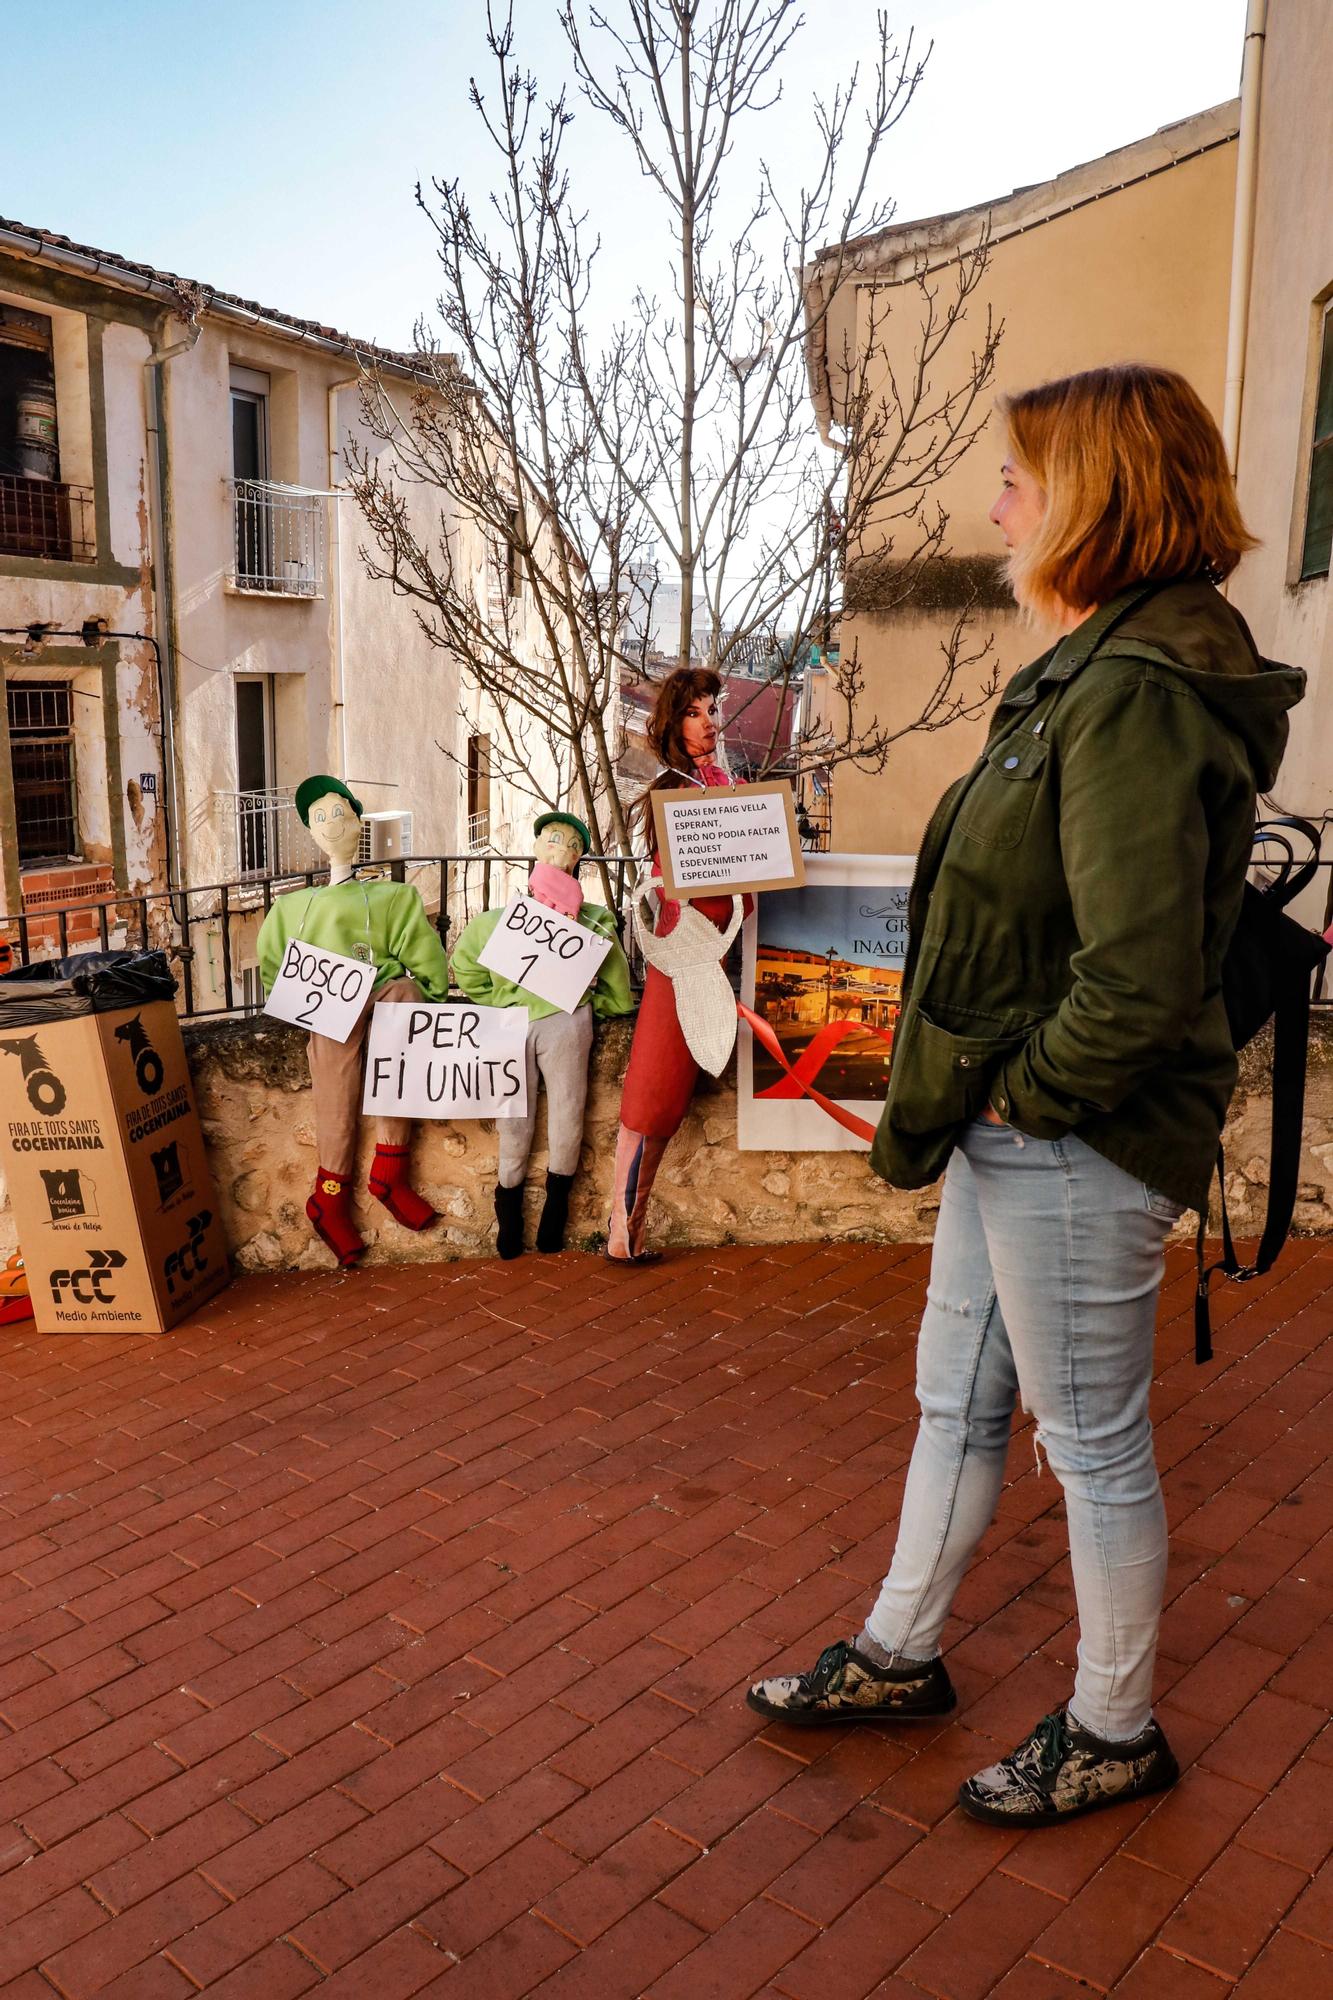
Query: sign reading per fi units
[[428, 1061], [544, 953], [718, 843]]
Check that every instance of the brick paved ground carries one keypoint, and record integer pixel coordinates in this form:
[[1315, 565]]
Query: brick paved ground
[[384, 1636]]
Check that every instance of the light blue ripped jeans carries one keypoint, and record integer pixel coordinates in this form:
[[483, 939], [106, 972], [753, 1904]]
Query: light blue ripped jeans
[[1043, 1285]]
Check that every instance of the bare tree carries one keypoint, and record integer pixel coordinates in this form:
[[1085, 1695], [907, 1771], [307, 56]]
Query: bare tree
[[671, 446]]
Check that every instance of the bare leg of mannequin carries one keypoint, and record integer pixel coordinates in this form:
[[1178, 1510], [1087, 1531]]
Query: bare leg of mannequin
[[637, 1160]]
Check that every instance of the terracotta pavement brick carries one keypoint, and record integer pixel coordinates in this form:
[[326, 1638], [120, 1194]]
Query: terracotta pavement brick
[[43, 1932], [593, 1899], [959, 1854], [149, 1865], [1295, 1823], [1062, 1867], [477, 1837], [329, 1762], [597, 1753], [344, 1929], [1228, 1676], [1100, 1933], [978, 1942], [220, 1776], [597, 1695], [1312, 1913], [495, 1763], [47, 1875], [240, 1929], [510, 1965], [719, 1800], [120, 1785], [1287, 1966], [622, 1962], [1161, 1975], [856, 1956], [925, 1788], [260, 1852], [725, 1877], [860, 1849], [738, 1957], [400, 1965], [1189, 1826], [1231, 1912], [152, 1979], [277, 1972], [475, 1909], [1030, 1980], [84, 1968], [1264, 1740], [843, 1767]]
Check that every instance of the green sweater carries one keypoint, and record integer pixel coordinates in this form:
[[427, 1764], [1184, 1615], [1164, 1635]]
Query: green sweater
[[390, 916], [609, 995]]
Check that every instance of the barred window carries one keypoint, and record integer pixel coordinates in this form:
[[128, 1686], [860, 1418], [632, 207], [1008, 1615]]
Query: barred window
[[41, 751]]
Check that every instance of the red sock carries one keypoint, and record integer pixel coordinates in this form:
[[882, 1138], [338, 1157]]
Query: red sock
[[331, 1217], [388, 1183]]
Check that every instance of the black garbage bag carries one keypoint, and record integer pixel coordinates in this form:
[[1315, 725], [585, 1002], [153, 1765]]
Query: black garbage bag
[[88, 982]]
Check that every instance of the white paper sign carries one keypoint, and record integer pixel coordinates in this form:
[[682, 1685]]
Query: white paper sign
[[715, 842], [428, 1061], [320, 990], [544, 952]]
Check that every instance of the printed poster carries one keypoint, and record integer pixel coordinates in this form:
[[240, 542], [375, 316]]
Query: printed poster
[[823, 967]]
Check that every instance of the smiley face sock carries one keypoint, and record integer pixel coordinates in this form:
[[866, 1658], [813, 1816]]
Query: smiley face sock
[[330, 1214]]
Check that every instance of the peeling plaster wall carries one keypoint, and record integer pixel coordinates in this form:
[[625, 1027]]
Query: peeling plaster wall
[[253, 1092]]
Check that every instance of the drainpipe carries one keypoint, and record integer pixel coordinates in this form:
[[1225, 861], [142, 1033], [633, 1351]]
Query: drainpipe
[[1242, 240], [159, 487], [339, 670]]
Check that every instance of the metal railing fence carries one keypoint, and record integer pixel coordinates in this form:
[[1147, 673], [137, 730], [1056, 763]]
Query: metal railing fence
[[208, 932], [279, 538], [46, 518]]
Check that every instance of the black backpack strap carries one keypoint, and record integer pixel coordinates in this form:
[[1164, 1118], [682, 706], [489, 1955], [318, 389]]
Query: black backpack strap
[[1291, 1030]]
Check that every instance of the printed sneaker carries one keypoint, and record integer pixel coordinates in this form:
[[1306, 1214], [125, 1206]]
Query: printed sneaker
[[844, 1686], [1064, 1770]]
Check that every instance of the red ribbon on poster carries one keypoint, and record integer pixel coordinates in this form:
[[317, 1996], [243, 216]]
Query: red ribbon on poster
[[769, 1041]]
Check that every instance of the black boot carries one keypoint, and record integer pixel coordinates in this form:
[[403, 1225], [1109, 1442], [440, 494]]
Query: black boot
[[555, 1214], [509, 1215]]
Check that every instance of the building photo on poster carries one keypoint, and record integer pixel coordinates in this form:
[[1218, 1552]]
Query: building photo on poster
[[822, 968]]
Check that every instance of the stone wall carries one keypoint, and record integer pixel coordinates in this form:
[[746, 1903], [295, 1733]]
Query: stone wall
[[254, 1099]]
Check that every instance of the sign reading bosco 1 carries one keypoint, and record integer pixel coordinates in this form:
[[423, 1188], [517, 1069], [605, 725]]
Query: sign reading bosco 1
[[544, 952], [719, 843], [321, 991], [448, 1061]]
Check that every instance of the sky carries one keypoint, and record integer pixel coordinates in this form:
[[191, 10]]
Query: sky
[[271, 147]]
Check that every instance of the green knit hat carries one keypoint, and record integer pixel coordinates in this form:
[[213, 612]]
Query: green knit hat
[[319, 787], [564, 819]]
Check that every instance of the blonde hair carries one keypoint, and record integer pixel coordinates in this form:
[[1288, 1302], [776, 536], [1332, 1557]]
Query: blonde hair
[[1136, 482]]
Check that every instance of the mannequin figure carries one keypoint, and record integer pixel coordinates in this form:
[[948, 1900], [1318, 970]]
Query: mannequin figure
[[559, 1044], [385, 924], [663, 1069]]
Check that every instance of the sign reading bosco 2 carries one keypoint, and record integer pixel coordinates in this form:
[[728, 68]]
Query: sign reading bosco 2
[[718, 843], [322, 991], [448, 1061], [545, 953]]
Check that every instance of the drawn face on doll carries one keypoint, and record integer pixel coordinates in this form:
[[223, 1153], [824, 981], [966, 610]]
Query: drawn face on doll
[[559, 847], [334, 827], [699, 728]]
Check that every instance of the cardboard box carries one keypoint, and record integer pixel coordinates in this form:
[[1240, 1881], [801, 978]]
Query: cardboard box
[[102, 1149]]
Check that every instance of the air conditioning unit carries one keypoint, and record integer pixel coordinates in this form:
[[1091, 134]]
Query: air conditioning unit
[[385, 836]]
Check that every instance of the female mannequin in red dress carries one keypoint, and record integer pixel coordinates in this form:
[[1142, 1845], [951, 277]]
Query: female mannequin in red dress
[[659, 1083]]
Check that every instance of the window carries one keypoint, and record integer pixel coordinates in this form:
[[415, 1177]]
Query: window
[[38, 515], [41, 750], [513, 562], [249, 465], [1319, 505], [254, 774], [478, 790]]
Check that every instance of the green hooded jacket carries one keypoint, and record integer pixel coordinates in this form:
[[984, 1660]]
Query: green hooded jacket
[[1075, 894]]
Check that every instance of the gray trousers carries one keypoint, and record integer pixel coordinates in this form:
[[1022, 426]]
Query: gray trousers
[[558, 1046]]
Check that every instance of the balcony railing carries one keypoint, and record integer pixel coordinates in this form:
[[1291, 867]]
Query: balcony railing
[[270, 838], [46, 518], [209, 932], [279, 538]]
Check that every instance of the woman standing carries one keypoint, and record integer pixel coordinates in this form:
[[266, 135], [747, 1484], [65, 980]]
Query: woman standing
[[659, 1082], [1064, 1049]]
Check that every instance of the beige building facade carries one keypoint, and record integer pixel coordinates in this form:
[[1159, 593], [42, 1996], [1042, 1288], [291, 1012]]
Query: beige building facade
[[1124, 258], [1285, 466], [189, 628]]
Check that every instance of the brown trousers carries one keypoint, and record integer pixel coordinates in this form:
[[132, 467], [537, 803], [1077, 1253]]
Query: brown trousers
[[336, 1070]]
